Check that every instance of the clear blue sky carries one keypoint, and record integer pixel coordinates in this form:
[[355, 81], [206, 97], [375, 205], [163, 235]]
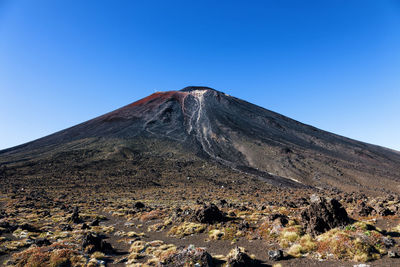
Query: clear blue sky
[[332, 64]]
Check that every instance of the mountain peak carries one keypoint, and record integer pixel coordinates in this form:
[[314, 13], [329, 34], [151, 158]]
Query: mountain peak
[[196, 88], [202, 122]]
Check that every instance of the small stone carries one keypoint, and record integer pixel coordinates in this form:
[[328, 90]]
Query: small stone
[[392, 254], [243, 225], [389, 242], [314, 198], [262, 207], [66, 227], [223, 202], [275, 255], [121, 260]]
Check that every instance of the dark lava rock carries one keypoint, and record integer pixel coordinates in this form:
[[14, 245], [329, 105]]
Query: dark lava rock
[[29, 228], [75, 216], [6, 227], [96, 222], [364, 210], [388, 242], [85, 226], [66, 227], [222, 202], [238, 258], [280, 218], [243, 225], [93, 242], [384, 211], [40, 242], [275, 255], [323, 214], [177, 212], [121, 260], [349, 199], [187, 255], [231, 213], [209, 214], [392, 254], [289, 204], [243, 208], [3, 214], [390, 198], [261, 207], [139, 205], [302, 201]]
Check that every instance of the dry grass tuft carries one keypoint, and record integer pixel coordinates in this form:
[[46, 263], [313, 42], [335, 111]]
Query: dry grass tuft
[[187, 228]]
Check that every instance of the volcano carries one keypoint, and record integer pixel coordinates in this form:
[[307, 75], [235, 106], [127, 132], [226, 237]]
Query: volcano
[[200, 133]]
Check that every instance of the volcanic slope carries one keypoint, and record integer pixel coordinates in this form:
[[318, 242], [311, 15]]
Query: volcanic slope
[[200, 132]]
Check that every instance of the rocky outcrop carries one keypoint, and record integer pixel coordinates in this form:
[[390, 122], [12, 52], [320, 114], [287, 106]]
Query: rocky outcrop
[[383, 210], [364, 210], [323, 214]]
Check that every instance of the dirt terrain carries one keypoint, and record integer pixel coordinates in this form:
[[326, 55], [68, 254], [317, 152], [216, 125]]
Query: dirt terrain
[[149, 225]]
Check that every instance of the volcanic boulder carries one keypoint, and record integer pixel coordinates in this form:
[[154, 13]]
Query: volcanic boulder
[[280, 219], [323, 214], [364, 210], [139, 205], [275, 255], [190, 254], [383, 210], [93, 242], [40, 242], [6, 227], [30, 228], [238, 258], [209, 214], [75, 216], [393, 254]]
